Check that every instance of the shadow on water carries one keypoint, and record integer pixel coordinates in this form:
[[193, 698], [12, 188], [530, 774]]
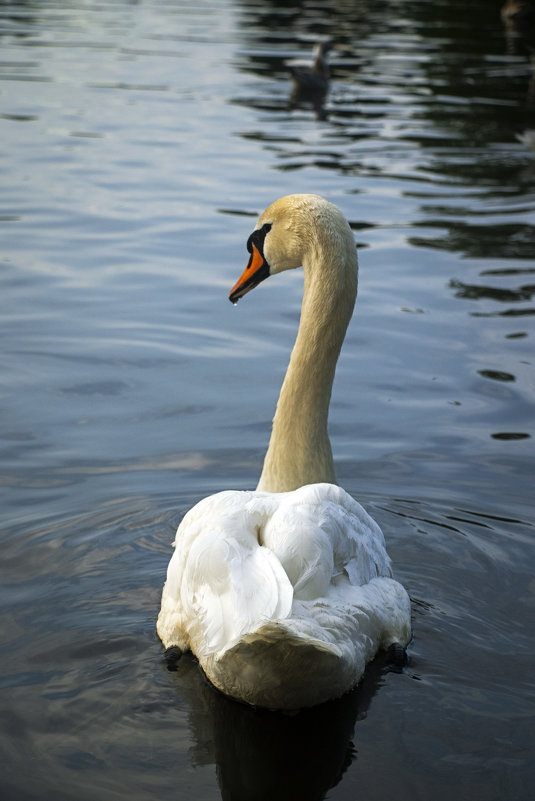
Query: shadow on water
[[261, 755]]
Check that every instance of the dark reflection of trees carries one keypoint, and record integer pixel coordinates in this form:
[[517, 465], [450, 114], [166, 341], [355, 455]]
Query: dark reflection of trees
[[478, 99], [471, 34], [517, 19], [480, 291], [455, 96], [508, 240], [261, 755], [19, 18], [278, 30], [500, 294], [456, 40], [270, 22]]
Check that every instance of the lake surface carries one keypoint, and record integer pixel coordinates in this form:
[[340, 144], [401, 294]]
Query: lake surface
[[140, 140]]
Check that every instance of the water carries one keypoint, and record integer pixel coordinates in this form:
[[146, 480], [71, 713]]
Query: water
[[140, 141]]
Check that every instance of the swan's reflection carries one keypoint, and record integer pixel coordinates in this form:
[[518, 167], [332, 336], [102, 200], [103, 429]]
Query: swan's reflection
[[261, 755]]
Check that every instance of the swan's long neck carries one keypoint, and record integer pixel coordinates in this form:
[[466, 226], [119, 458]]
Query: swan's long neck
[[299, 450]]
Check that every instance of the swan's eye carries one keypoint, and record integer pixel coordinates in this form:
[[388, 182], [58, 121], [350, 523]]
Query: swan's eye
[[257, 238]]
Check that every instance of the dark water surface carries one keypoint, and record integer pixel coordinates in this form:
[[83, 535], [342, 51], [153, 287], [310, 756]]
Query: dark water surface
[[139, 142]]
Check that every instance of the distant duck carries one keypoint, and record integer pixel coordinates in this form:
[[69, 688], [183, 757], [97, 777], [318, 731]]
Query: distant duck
[[311, 84], [314, 79]]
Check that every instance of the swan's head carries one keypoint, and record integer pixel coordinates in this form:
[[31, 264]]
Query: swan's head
[[286, 233]]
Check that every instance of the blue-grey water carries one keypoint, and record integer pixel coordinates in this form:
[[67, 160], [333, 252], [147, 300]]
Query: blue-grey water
[[139, 142]]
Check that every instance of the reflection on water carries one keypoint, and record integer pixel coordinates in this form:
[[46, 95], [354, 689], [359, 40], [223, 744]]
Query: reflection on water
[[140, 143], [265, 755]]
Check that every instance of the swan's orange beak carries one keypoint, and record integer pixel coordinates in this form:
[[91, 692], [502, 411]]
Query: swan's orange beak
[[256, 271]]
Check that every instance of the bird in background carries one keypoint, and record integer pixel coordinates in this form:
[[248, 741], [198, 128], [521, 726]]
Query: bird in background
[[311, 83]]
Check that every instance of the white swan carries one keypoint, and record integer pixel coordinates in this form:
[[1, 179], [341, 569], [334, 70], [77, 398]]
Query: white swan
[[285, 593]]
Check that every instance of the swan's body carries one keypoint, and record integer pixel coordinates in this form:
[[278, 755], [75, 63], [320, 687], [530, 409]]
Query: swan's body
[[284, 594]]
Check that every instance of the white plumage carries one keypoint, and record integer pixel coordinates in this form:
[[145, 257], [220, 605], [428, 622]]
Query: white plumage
[[285, 593]]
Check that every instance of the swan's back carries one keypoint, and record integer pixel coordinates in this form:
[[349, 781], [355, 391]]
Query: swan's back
[[283, 597]]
